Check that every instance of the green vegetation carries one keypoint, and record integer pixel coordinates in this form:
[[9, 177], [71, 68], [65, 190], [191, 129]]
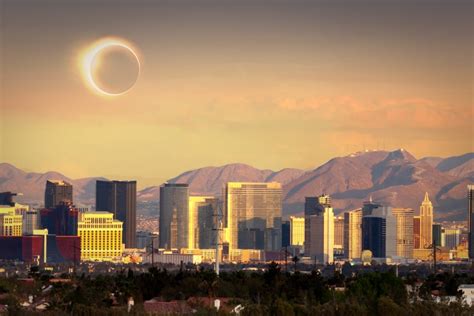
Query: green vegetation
[[272, 292]]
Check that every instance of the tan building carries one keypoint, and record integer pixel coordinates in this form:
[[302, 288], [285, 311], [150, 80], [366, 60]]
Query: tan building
[[339, 232], [101, 236], [426, 222], [322, 236], [201, 222], [353, 234], [404, 219], [296, 231], [11, 220], [252, 215]]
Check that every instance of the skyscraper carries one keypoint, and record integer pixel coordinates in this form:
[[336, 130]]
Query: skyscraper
[[174, 215], [416, 232], [31, 221], [437, 230], [57, 191], [202, 218], [252, 217], [379, 233], [313, 205], [296, 231], [426, 222], [353, 234], [339, 233], [285, 234], [322, 232], [60, 220], [404, 223], [120, 198], [470, 217]]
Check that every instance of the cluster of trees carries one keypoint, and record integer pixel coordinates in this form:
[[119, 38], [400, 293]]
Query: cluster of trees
[[272, 292]]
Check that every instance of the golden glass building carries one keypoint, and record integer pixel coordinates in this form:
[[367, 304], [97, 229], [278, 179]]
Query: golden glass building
[[101, 236], [404, 218], [338, 232], [296, 231], [201, 222], [11, 220], [353, 234], [252, 216], [426, 222]]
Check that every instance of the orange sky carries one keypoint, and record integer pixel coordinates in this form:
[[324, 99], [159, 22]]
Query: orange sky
[[274, 86]]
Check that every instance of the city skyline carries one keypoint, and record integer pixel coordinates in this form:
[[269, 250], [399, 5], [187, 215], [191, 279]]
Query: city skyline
[[209, 85]]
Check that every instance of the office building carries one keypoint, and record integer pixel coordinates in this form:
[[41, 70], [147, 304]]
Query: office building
[[404, 227], [369, 206], [31, 221], [339, 233], [450, 237], [470, 210], [437, 230], [202, 222], [101, 236], [322, 233], [353, 234], [11, 221], [285, 234], [57, 192], [416, 232], [313, 205], [120, 198], [296, 231], [60, 220], [174, 216], [379, 233], [252, 215], [426, 222]]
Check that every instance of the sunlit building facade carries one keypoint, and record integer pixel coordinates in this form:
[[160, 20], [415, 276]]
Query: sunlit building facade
[[339, 233], [252, 216], [296, 231], [101, 236], [174, 216], [353, 234], [11, 221], [201, 227], [404, 223], [426, 222], [322, 235], [313, 205]]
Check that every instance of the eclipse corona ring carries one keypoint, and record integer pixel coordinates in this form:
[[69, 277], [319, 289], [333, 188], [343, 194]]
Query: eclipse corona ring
[[110, 66]]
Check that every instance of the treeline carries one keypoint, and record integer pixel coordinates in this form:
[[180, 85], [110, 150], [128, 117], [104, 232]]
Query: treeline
[[272, 292]]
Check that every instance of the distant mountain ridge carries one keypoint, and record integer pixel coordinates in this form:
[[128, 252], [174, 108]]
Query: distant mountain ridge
[[393, 178]]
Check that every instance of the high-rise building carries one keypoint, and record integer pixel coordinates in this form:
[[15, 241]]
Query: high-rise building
[[120, 198], [369, 206], [31, 221], [296, 231], [404, 223], [6, 198], [313, 205], [437, 230], [470, 217], [450, 237], [202, 219], [252, 216], [416, 232], [322, 233], [285, 234], [379, 233], [60, 220], [174, 215], [11, 221], [353, 234], [339, 233], [426, 222], [101, 236], [57, 192]]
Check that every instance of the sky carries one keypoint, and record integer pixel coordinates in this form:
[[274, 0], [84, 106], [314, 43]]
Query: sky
[[273, 84]]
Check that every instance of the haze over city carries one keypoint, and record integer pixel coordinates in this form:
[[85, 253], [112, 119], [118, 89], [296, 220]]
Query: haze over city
[[290, 84]]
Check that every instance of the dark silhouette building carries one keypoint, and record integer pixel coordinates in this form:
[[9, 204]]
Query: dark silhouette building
[[57, 191], [6, 198], [285, 234], [60, 220], [120, 198], [437, 234]]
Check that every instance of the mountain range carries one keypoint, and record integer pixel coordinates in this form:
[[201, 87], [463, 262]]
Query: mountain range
[[393, 178]]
